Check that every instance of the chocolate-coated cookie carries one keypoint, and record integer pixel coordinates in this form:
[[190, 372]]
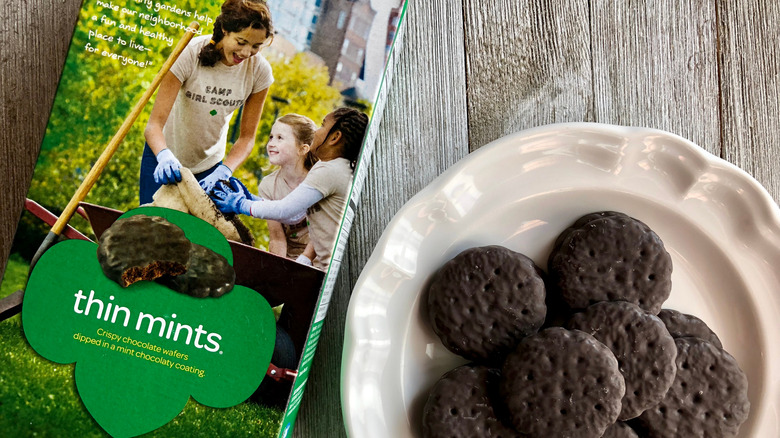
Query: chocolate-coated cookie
[[707, 399], [562, 383], [462, 404], [610, 256], [558, 311], [483, 301], [580, 222], [142, 247], [620, 430], [682, 325], [208, 275], [644, 349]]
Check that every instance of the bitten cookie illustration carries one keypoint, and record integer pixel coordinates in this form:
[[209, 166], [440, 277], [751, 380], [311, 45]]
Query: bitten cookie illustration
[[144, 247]]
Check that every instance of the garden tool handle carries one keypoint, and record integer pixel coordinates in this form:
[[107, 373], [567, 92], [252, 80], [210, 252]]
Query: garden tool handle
[[113, 145], [108, 152]]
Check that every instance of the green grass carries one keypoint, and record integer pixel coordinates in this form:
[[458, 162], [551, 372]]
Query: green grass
[[15, 276], [38, 398]]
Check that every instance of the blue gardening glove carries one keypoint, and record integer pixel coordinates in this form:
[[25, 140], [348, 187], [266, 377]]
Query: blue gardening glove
[[236, 184], [302, 259], [167, 170], [230, 200], [221, 173]]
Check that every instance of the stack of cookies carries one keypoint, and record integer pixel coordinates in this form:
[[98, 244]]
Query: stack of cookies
[[585, 351], [142, 247]]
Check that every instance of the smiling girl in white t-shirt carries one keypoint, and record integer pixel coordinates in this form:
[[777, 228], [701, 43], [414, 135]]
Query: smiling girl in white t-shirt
[[215, 75]]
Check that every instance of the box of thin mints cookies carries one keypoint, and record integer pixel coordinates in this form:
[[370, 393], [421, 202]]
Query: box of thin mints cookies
[[185, 224]]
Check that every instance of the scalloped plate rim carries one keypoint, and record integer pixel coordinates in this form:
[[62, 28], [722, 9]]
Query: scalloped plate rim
[[358, 405]]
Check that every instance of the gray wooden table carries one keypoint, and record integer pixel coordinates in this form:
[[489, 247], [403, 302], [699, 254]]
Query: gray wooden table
[[470, 72]]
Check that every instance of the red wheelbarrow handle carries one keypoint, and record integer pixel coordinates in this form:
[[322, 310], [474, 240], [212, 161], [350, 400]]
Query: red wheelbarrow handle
[[280, 374], [12, 304], [50, 218]]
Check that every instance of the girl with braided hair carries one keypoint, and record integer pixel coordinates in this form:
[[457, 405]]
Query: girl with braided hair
[[322, 196], [215, 75]]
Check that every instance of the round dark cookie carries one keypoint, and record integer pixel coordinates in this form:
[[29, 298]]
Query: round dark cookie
[[562, 383], [611, 257], [683, 325], [578, 223], [707, 399], [484, 300], [463, 403], [643, 347], [620, 430], [558, 312], [208, 275], [142, 247]]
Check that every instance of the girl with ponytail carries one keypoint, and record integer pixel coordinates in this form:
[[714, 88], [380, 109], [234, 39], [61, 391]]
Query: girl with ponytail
[[322, 196], [214, 76]]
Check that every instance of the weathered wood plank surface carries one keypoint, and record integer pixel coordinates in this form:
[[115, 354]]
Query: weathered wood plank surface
[[35, 37], [468, 74], [655, 65], [423, 132], [528, 64], [750, 88]]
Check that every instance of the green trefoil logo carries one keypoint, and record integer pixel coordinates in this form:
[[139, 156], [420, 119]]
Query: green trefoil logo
[[141, 352]]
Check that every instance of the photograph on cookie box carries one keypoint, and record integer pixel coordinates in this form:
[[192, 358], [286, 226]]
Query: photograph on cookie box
[[184, 227]]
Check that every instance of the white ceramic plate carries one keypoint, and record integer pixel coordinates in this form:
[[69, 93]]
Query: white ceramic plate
[[720, 226]]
